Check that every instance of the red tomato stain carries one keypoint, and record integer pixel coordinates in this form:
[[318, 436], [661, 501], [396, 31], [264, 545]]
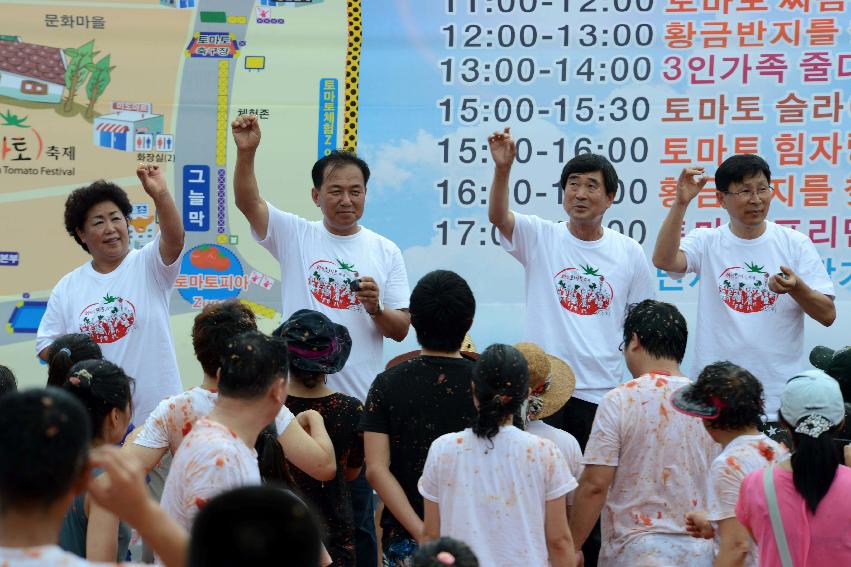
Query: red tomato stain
[[187, 427], [200, 502], [766, 451], [459, 440]]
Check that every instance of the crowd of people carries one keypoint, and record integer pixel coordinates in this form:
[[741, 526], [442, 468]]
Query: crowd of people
[[533, 454]]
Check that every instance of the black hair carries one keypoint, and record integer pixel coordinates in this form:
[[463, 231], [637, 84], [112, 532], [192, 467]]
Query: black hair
[[251, 526], [588, 163], [67, 350], [736, 168], [814, 463], [250, 364], [8, 383], [501, 381], [306, 378], [271, 459], [335, 159], [426, 555], [80, 200], [101, 386], [737, 389], [442, 307], [44, 440], [215, 326], [660, 327]]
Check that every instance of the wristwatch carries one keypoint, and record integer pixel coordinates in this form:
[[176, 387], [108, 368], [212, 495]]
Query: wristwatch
[[377, 311]]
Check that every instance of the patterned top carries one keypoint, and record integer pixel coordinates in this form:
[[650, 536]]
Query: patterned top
[[662, 459], [48, 555], [341, 414]]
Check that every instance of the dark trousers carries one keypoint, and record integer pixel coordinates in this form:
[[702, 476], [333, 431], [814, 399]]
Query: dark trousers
[[363, 507], [576, 417]]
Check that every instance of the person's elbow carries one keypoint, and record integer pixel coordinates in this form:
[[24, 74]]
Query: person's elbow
[[560, 543], [326, 470], [828, 315]]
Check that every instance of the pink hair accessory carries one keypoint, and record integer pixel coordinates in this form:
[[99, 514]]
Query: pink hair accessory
[[446, 558], [74, 380]]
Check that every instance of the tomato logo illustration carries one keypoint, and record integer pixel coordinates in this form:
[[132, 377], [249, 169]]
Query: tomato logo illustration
[[584, 292], [746, 289], [206, 256], [108, 320], [329, 283]]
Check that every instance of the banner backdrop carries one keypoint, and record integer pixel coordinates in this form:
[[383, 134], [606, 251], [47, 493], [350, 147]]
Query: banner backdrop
[[88, 89]]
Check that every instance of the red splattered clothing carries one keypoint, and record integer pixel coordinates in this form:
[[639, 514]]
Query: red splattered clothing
[[48, 555], [662, 459]]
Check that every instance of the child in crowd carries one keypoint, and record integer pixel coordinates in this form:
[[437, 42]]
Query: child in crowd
[[729, 400], [444, 551], [500, 489], [106, 392], [317, 347], [66, 351]]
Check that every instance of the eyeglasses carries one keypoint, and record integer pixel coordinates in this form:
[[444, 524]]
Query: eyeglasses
[[573, 186], [761, 192]]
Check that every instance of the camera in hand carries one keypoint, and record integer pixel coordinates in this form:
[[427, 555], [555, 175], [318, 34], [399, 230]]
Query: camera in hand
[[354, 285]]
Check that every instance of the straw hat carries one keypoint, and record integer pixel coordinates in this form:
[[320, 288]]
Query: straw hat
[[468, 350], [550, 378]]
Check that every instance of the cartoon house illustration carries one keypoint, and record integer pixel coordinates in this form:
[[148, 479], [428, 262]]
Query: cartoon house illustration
[[31, 72], [118, 130], [178, 3]]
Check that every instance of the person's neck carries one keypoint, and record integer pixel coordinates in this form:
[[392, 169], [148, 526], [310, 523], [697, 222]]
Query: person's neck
[[659, 366], [450, 354], [107, 265], [31, 528], [726, 436], [243, 417], [587, 231], [299, 390], [210, 383], [347, 231], [747, 232]]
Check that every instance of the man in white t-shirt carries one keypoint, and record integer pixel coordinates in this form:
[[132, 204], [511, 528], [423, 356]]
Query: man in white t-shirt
[[728, 400], [645, 463], [174, 417], [580, 276], [758, 278]]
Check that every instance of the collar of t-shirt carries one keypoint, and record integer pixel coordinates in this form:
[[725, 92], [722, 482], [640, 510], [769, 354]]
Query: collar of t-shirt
[[586, 243], [90, 270], [766, 234]]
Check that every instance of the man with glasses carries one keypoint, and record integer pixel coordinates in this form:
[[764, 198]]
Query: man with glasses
[[758, 278]]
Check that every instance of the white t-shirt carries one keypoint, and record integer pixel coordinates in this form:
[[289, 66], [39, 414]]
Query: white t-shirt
[[566, 443], [211, 460], [577, 293], [492, 496], [662, 458], [127, 313], [49, 556], [741, 456], [316, 268], [738, 318], [173, 418]]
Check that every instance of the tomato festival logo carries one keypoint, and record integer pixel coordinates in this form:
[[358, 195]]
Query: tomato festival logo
[[330, 283], [583, 290], [210, 273], [746, 289], [108, 320], [21, 145]]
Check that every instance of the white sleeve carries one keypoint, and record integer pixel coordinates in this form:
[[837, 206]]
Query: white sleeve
[[282, 230], [604, 443], [725, 481], [524, 239], [154, 432], [811, 269], [397, 292], [429, 483], [164, 274], [283, 419], [558, 478], [643, 285], [692, 246], [52, 325]]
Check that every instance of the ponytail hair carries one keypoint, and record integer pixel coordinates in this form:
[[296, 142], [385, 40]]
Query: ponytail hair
[[501, 382], [65, 352], [101, 386], [814, 463], [271, 459]]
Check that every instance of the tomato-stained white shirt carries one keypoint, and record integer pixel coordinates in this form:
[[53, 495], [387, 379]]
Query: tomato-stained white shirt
[[49, 555]]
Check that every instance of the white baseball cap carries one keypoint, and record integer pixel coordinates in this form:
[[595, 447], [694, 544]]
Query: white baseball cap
[[809, 393]]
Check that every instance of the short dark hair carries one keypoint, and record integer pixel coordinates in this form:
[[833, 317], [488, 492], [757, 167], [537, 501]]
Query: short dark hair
[[501, 379], [215, 326], [442, 308], [335, 159], [8, 383], [735, 168], [251, 526], [250, 364], [660, 327], [426, 555], [80, 200], [587, 163], [67, 350], [101, 386], [740, 394], [44, 440]]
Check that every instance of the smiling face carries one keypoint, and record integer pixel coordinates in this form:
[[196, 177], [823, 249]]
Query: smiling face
[[585, 197], [105, 232], [747, 210], [341, 198]]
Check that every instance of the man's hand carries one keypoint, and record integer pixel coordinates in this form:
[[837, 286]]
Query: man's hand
[[153, 180], [121, 489], [691, 181], [698, 526], [246, 132], [503, 149], [368, 294], [784, 282]]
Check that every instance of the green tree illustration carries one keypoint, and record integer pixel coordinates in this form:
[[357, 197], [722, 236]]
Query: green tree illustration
[[80, 65], [98, 81]]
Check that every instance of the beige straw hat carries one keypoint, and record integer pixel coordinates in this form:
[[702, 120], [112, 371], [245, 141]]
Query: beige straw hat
[[550, 378]]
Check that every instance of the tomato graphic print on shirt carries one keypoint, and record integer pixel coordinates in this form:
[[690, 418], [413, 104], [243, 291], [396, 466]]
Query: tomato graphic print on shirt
[[329, 282], [583, 290], [746, 289], [108, 320]]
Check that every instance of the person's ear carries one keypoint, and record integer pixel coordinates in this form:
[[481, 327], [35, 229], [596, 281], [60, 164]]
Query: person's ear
[[634, 343], [314, 194]]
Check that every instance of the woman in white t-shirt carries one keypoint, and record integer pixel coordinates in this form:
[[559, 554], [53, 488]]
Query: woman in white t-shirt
[[121, 297], [497, 488]]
